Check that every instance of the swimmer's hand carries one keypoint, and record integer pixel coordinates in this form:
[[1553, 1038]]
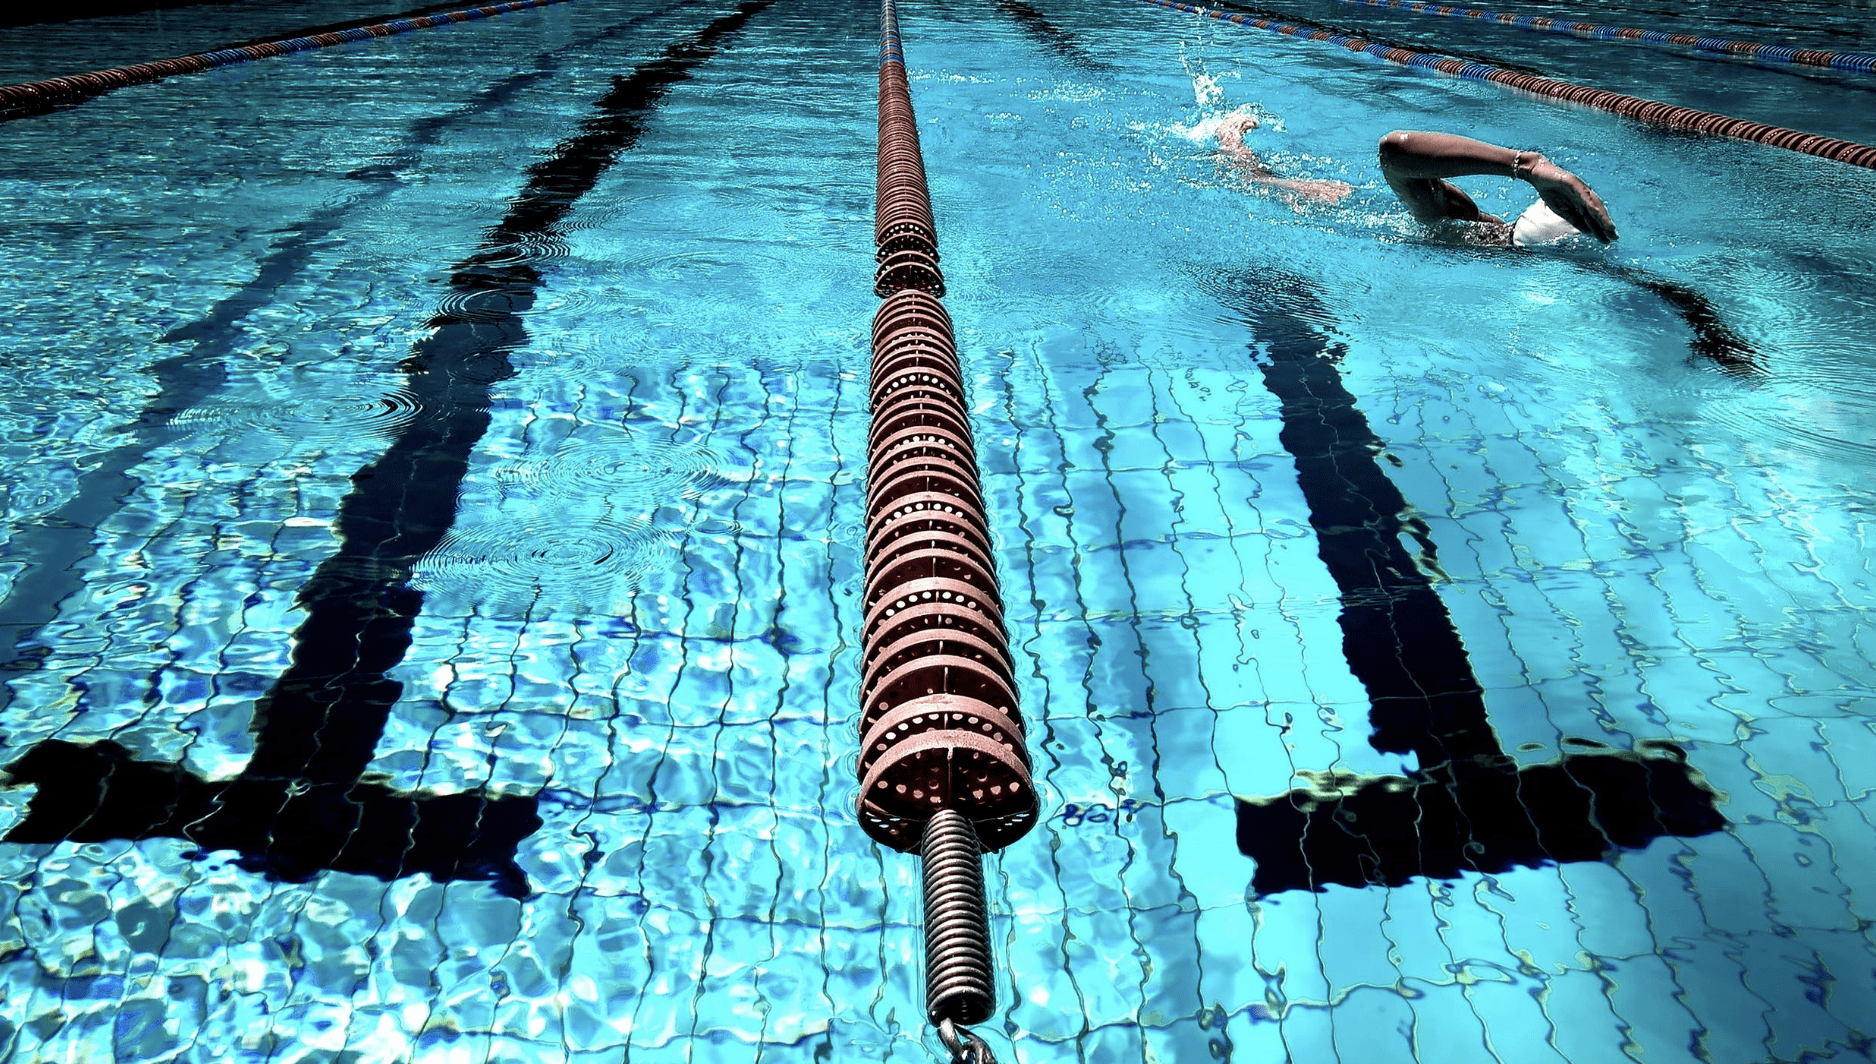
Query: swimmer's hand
[[1574, 202], [1231, 132]]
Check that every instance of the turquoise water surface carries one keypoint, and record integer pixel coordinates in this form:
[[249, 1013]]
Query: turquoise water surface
[[1430, 651]]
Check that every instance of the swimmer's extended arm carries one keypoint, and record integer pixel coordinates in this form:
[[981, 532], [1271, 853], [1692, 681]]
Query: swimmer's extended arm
[[1310, 188], [1417, 164], [1252, 169]]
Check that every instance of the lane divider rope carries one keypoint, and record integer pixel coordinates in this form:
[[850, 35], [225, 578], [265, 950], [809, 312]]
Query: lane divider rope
[[1859, 62], [39, 97], [943, 766], [1651, 111]]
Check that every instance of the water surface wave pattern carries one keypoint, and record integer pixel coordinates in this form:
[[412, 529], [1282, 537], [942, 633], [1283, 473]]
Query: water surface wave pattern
[[436, 503]]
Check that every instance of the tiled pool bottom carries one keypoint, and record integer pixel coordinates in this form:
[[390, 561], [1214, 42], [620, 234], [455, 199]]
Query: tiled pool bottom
[[700, 894], [1736, 945], [681, 709]]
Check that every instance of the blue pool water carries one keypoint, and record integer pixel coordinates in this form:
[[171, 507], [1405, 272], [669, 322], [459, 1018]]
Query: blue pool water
[[1814, 99], [354, 423]]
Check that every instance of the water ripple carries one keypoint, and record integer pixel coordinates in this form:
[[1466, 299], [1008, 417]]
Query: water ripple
[[540, 567], [611, 216], [1817, 401], [634, 466], [467, 304], [526, 248], [321, 417], [30, 489]]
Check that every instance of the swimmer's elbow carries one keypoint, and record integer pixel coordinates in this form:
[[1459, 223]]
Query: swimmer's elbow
[[1396, 147]]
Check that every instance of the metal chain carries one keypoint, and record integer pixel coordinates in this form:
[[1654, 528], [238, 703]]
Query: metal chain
[[965, 1047]]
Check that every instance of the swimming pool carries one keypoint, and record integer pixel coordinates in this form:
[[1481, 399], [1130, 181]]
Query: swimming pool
[[278, 362]]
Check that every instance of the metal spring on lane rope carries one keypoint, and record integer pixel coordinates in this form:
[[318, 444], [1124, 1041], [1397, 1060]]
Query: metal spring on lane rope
[[958, 984]]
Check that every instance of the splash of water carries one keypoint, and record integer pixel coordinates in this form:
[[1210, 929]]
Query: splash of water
[[1205, 87], [1205, 128]]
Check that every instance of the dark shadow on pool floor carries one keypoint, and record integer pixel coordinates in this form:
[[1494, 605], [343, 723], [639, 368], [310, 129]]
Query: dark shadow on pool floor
[[1469, 807], [1473, 817], [285, 828]]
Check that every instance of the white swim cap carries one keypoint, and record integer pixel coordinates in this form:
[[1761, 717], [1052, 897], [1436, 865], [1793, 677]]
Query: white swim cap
[[1540, 225]]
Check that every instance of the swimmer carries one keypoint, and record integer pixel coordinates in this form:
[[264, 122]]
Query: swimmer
[[1251, 168], [1416, 166]]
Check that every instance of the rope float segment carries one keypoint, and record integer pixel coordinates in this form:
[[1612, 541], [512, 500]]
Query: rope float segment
[[30, 98], [940, 728], [1650, 111], [943, 766], [1859, 62]]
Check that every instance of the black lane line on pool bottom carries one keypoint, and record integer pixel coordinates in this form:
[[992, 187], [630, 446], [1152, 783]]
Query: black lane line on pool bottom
[[1711, 338], [1469, 806], [1051, 36], [299, 807], [184, 380]]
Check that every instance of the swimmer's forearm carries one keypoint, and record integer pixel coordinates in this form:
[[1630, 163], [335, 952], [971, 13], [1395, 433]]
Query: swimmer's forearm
[[1411, 154]]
